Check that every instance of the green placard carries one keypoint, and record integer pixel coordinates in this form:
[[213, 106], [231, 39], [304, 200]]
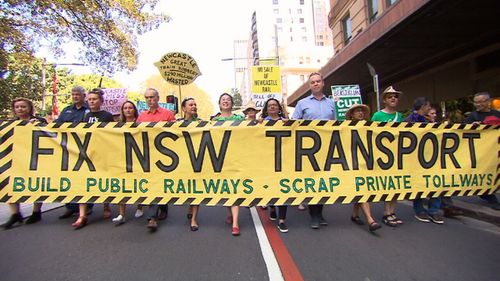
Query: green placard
[[344, 96]]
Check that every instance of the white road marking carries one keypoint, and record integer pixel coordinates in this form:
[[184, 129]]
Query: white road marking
[[273, 268]]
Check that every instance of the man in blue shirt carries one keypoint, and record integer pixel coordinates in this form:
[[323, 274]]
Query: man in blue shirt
[[74, 113], [315, 107]]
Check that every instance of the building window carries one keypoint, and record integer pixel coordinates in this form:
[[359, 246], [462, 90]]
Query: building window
[[347, 29], [321, 37], [304, 38], [372, 10], [304, 29], [299, 11], [308, 60], [291, 38], [301, 2], [280, 29], [275, 2], [302, 78], [279, 20], [301, 20], [390, 2], [276, 11]]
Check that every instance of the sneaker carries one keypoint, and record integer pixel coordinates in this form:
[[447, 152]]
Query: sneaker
[[322, 221], [138, 213], [119, 220], [423, 217], [282, 227], [438, 219], [314, 223], [272, 215]]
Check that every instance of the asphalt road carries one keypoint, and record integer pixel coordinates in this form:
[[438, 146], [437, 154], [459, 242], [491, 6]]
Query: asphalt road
[[461, 249]]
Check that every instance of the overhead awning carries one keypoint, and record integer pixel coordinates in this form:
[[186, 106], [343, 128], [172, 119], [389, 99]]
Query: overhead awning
[[412, 37]]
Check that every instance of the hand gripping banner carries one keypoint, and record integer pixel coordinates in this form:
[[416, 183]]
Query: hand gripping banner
[[245, 163]]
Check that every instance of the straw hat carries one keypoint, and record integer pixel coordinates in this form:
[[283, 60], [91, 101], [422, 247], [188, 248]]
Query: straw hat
[[365, 108], [390, 90], [250, 105]]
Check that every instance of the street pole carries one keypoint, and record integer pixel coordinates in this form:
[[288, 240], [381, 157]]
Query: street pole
[[374, 75]]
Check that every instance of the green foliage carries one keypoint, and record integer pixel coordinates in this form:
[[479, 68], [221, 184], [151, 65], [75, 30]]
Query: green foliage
[[21, 79], [106, 30]]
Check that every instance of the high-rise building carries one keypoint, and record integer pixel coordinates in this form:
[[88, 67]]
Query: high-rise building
[[293, 34]]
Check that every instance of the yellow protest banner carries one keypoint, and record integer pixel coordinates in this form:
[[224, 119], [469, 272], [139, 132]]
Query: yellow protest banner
[[266, 79], [213, 163]]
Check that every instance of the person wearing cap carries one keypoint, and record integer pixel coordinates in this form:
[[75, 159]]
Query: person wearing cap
[[421, 107], [251, 111], [360, 112], [390, 99], [315, 107]]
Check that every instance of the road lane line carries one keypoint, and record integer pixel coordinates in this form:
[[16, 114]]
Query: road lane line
[[273, 268], [289, 269]]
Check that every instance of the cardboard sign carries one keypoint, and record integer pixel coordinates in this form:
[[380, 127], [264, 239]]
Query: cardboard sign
[[178, 68]]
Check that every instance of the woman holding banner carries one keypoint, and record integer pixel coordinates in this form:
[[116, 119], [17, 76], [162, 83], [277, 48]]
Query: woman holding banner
[[390, 98], [360, 112], [273, 111], [190, 113], [226, 114], [23, 110], [128, 113]]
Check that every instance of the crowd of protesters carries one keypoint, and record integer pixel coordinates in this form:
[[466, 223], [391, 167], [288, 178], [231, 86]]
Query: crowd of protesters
[[86, 107]]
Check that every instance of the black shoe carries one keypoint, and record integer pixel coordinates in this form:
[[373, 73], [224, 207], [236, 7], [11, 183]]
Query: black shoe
[[14, 218], [314, 222], [322, 221], [438, 219], [66, 215], [194, 228], [282, 227], [272, 215], [35, 217]]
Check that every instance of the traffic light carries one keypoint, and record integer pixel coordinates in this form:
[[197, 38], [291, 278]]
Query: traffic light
[[172, 101]]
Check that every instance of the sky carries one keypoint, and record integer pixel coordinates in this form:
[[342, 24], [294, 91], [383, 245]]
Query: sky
[[203, 29]]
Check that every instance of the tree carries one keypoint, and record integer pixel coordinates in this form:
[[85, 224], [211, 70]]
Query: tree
[[106, 29], [22, 79], [203, 101]]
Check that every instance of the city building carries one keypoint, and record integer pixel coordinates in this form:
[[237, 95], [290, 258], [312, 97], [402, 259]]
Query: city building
[[440, 49], [292, 34]]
